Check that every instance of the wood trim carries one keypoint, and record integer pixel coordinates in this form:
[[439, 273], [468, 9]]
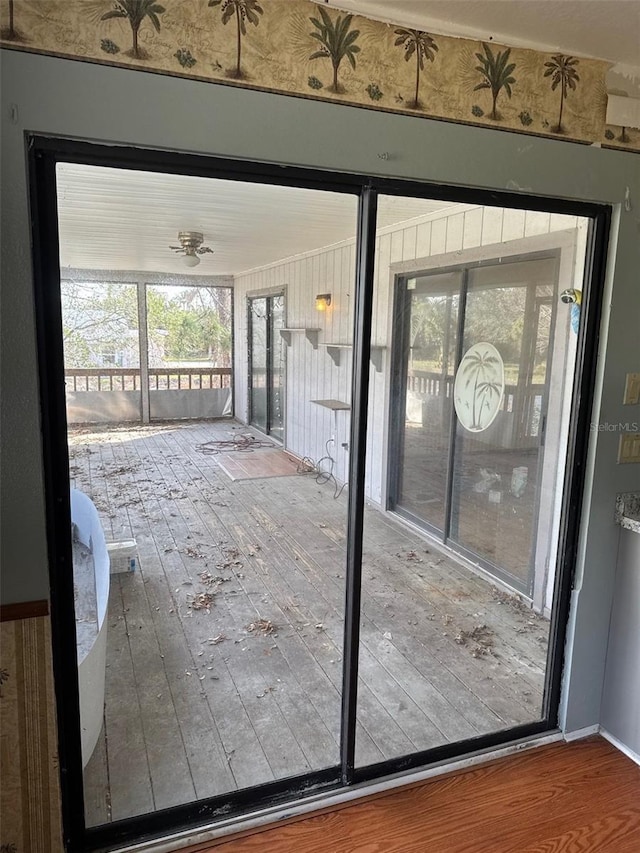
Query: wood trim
[[23, 610]]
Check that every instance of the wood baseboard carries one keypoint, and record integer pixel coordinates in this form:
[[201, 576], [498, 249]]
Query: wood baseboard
[[23, 610]]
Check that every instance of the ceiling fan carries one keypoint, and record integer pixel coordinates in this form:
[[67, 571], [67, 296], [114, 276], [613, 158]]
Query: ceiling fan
[[191, 247]]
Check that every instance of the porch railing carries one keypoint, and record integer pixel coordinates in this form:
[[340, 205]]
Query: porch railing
[[82, 379], [431, 384]]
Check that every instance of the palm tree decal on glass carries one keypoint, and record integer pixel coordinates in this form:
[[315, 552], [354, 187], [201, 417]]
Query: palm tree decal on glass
[[337, 42], [242, 11], [478, 387], [420, 44], [497, 73], [562, 70], [135, 11]]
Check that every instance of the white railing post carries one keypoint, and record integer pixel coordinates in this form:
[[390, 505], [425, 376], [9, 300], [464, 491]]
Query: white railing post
[[143, 342]]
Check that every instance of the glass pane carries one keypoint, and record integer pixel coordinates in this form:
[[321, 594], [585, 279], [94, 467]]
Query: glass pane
[[218, 553], [189, 351], [429, 320], [101, 351], [502, 401], [277, 363], [464, 481], [258, 366]]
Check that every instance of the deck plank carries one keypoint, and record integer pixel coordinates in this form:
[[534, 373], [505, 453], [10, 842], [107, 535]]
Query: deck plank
[[240, 707], [205, 752], [322, 683], [97, 795], [129, 772], [300, 715], [243, 753], [383, 613]]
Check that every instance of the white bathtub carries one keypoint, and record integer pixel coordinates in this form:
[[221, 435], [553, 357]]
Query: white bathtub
[[91, 582]]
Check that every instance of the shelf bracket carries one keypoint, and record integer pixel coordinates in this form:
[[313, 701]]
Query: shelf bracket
[[334, 354], [312, 336]]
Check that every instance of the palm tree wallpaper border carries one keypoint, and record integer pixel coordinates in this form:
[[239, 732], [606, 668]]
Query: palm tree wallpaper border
[[310, 49]]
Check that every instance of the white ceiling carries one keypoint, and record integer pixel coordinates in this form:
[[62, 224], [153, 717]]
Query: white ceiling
[[116, 219], [125, 220], [604, 29]]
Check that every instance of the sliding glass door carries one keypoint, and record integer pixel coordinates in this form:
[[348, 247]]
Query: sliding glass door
[[501, 401], [266, 364], [426, 331], [459, 579], [386, 590], [473, 351]]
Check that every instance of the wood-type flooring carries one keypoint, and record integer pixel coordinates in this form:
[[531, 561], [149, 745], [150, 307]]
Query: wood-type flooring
[[224, 658], [581, 797]]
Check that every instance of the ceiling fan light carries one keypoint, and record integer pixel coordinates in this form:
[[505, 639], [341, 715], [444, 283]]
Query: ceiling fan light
[[191, 260]]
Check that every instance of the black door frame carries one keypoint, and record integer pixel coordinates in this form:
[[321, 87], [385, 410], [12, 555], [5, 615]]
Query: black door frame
[[43, 153], [396, 422], [269, 359]]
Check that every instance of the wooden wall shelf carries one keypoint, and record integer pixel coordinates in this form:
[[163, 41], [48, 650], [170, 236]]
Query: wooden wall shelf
[[334, 405], [310, 334], [335, 352]]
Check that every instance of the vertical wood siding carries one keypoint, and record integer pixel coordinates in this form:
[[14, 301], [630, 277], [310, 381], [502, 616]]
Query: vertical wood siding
[[311, 374]]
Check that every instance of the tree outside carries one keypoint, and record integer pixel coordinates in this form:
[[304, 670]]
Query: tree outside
[[100, 325], [187, 326], [495, 315]]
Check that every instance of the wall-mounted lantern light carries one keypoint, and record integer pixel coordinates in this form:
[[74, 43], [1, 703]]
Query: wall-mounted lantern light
[[323, 301]]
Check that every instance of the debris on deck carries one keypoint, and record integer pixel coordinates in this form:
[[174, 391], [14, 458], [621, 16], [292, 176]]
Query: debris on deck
[[514, 601], [410, 556], [482, 636], [201, 601], [262, 626], [213, 641], [188, 598], [210, 580], [244, 443]]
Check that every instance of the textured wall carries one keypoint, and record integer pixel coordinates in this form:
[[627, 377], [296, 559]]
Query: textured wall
[[442, 238]]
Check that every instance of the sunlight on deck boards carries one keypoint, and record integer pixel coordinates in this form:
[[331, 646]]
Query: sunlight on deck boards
[[224, 659]]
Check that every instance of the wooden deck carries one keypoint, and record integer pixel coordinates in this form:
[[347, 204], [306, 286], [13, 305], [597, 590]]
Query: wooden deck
[[225, 647]]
